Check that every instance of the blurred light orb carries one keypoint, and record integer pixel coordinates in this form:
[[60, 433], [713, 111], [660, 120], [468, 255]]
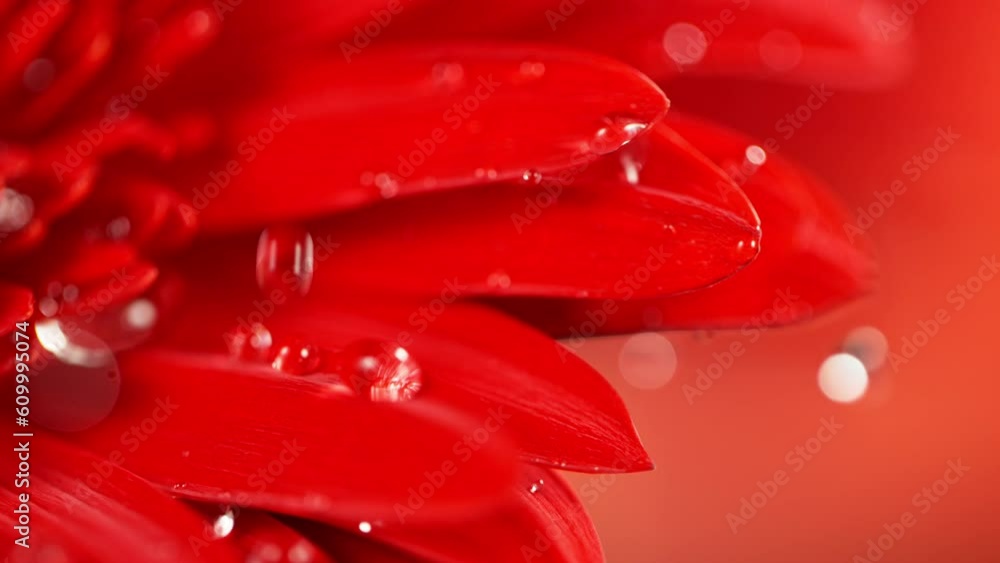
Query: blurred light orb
[[843, 378], [685, 43], [39, 74], [647, 360], [780, 50], [869, 345], [755, 156]]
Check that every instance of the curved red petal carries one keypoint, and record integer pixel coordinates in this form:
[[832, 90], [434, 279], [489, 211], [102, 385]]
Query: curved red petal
[[85, 507], [443, 117], [214, 429]]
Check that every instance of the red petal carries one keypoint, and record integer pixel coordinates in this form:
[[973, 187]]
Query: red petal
[[560, 410], [231, 432], [528, 108], [16, 304], [87, 508], [808, 261], [549, 525]]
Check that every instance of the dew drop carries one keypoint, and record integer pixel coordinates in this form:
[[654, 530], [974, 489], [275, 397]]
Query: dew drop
[[253, 344], [843, 378], [297, 359], [78, 384], [379, 371], [615, 132], [365, 527], [223, 525], [282, 252], [498, 280], [647, 360], [535, 487], [532, 177]]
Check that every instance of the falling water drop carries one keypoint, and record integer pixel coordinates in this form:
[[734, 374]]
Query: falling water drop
[[379, 371], [285, 260]]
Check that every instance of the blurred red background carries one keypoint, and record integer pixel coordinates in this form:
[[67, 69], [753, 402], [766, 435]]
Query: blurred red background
[[899, 438]]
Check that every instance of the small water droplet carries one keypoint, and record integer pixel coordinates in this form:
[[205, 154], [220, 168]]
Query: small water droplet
[[498, 280], [365, 527], [285, 260], [223, 525], [535, 487], [379, 371], [253, 344], [615, 132], [532, 177], [843, 378], [297, 359]]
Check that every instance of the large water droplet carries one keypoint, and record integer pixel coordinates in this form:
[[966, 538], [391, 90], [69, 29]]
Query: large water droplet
[[285, 260], [615, 132], [379, 371], [297, 359], [75, 382]]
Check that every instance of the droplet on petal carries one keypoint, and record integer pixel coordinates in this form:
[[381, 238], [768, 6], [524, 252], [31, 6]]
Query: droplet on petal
[[869, 345], [535, 487], [379, 371], [285, 260], [77, 383], [843, 378], [253, 344], [223, 525], [647, 360], [615, 132], [297, 359]]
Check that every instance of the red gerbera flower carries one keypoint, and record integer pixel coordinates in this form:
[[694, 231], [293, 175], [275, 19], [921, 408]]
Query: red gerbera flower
[[262, 263]]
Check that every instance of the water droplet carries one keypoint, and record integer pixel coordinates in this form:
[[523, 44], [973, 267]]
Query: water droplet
[[754, 157], [16, 210], [532, 177], [647, 360], [365, 527], [498, 280], [223, 525], [631, 166], [535, 487], [843, 378], [253, 344], [78, 383], [297, 359], [379, 371], [685, 43], [447, 74], [285, 260], [780, 50], [615, 132], [869, 345], [532, 69]]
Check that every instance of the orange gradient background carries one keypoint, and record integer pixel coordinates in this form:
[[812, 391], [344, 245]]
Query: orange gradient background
[[937, 407]]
